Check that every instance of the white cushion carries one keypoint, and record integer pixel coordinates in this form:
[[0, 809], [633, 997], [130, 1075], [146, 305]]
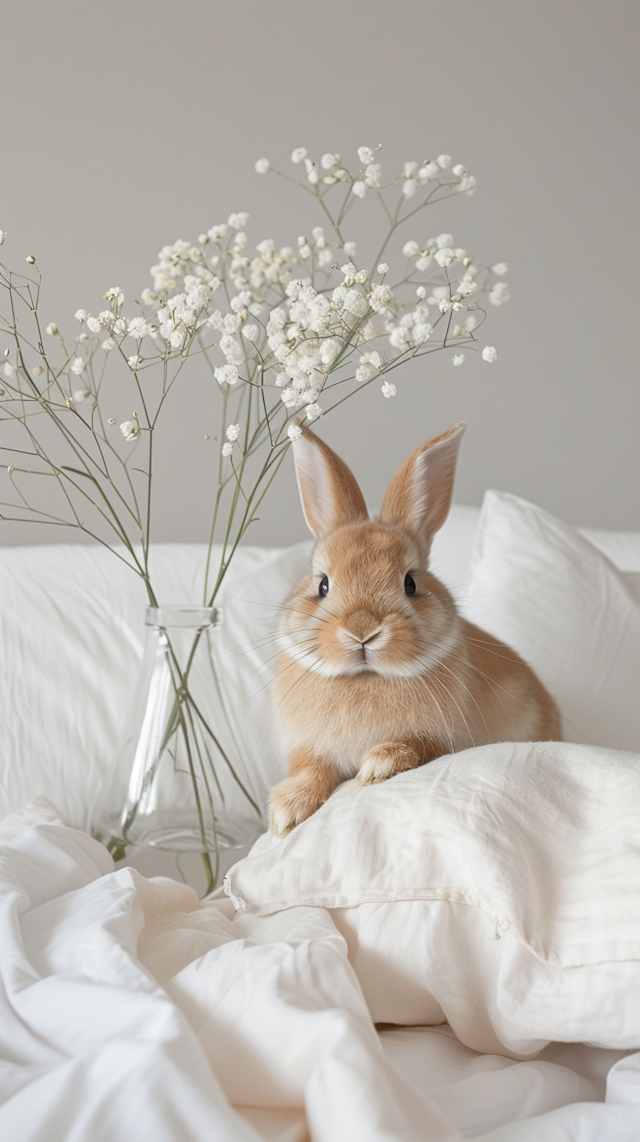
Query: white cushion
[[498, 888], [543, 589]]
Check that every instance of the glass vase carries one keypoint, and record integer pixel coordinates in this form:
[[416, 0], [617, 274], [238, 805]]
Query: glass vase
[[180, 782]]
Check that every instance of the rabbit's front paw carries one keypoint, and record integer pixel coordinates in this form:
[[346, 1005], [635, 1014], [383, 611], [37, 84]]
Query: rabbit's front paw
[[378, 765], [383, 761], [290, 803]]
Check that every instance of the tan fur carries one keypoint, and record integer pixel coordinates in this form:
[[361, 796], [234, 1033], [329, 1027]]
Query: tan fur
[[374, 681]]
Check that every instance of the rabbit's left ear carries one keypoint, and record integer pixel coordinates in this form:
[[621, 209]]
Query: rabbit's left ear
[[419, 495], [329, 491]]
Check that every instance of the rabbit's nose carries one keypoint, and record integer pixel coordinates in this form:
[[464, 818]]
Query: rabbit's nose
[[363, 627]]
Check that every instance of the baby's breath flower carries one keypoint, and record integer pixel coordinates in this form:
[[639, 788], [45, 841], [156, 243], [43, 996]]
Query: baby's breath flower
[[364, 373], [466, 287], [359, 189], [421, 292], [81, 395], [31, 260], [237, 221], [108, 345], [457, 358], [365, 154], [313, 411], [81, 315], [130, 429], [111, 420], [51, 329], [328, 161], [470, 324], [429, 170], [298, 154], [457, 330], [355, 302], [115, 295], [233, 432], [9, 370], [226, 374], [444, 257], [138, 327], [383, 268], [93, 325], [78, 366], [499, 293], [251, 332], [262, 166], [289, 397], [227, 448], [409, 187], [410, 249], [231, 347], [500, 268], [135, 361], [294, 432], [350, 249], [380, 298], [37, 371], [489, 353], [388, 390], [443, 161], [444, 240], [410, 169]]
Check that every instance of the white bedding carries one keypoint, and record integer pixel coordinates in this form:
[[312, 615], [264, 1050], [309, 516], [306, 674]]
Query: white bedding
[[128, 1010]]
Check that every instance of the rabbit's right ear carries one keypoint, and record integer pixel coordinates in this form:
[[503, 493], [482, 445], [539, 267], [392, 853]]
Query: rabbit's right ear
[[419, 496], [328, 489]]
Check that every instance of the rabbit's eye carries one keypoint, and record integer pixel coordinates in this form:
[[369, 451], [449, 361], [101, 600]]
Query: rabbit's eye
[[323, 589], [409, 584]]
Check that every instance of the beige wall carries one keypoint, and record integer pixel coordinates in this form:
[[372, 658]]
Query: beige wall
[[127, 125]]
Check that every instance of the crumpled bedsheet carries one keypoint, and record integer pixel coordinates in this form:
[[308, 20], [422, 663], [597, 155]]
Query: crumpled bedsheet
[[128, 1010]]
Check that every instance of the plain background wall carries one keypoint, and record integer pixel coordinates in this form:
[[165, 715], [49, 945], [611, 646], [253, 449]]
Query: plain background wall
[[128, 125]]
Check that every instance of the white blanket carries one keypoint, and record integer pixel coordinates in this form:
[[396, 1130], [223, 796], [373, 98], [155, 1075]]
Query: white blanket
[[130, 1011]]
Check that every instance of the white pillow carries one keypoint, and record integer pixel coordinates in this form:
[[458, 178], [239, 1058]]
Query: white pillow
[[71, 640], [498, 888], [543, 589]]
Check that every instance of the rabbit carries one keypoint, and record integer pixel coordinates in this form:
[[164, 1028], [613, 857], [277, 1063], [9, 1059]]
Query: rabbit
[[379, 672]]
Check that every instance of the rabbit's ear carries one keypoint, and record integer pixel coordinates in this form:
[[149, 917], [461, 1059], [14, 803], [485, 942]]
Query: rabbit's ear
[[419, 495], [329, 491]]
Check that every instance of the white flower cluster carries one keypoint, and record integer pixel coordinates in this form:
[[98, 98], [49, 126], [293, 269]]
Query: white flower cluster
[[287, 322], [411, 330], [180, 315]]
